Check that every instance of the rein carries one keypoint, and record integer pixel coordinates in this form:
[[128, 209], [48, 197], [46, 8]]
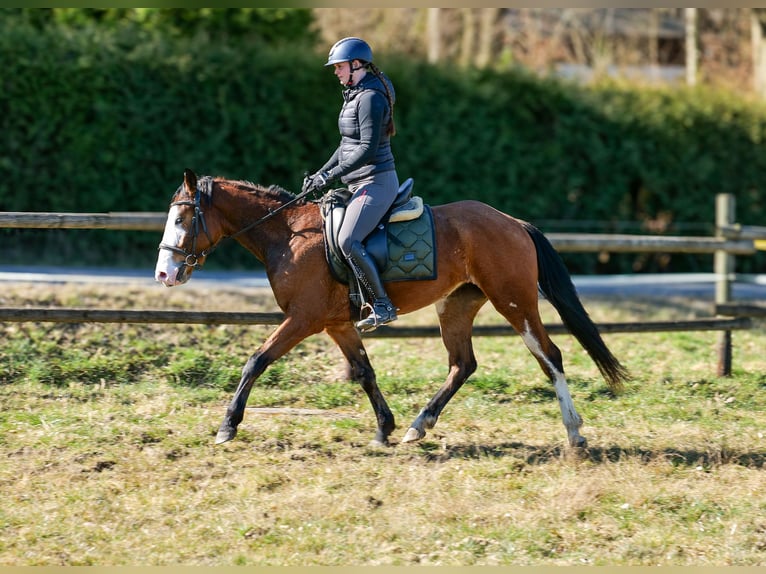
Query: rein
[[191, 259]]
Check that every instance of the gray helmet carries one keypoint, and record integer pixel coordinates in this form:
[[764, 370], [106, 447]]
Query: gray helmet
[[349, 49]]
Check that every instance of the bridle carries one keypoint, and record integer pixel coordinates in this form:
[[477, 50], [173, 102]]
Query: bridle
[[192, 258]]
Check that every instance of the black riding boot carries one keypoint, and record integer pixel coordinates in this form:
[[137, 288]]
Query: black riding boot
[[383, 310]]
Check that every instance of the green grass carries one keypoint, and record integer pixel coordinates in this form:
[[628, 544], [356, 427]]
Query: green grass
[[106, 442]]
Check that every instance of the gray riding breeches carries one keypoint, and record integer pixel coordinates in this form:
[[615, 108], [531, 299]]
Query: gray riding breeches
[[371, 198]]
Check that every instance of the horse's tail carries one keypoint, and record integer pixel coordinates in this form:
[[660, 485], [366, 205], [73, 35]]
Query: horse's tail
[[556, 284]]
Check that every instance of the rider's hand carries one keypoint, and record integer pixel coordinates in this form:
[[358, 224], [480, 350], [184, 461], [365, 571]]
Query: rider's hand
[[316, 182], [307, 181]]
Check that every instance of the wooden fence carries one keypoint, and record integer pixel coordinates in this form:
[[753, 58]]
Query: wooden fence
[[730, 240]]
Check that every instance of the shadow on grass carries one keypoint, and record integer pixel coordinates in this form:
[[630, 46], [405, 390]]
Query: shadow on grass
[[537, 455]]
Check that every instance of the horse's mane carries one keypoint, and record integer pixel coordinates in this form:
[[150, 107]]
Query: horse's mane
[[275, 191], [206, 184]]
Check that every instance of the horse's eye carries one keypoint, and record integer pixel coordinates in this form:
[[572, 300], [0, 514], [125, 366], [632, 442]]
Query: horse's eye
[[179, 220]]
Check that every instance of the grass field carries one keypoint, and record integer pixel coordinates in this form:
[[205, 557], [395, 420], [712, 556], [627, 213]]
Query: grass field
[[107, 455]]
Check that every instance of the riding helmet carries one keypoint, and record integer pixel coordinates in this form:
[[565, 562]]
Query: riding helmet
[[348, 49]]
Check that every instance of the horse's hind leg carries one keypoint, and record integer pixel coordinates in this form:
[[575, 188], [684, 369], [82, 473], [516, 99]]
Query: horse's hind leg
[[548, 356], [456, 314], [361, 371]]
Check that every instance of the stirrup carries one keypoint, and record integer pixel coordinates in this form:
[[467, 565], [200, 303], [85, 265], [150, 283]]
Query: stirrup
[[382, 312]]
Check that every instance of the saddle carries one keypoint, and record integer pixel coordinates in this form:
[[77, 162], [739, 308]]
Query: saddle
[[402, 245]]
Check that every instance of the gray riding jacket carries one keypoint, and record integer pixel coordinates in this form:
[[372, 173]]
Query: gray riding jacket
[[365, 148]]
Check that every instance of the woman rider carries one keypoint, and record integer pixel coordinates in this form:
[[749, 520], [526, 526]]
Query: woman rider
[[364, 162]]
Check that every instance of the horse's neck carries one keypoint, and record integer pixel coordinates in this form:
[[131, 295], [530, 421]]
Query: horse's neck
[[269, 224]]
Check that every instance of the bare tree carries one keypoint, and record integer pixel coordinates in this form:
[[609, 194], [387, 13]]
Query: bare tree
[[468, 41], [433, 34], [758, 27], [654, 59], [728, 48], [488, 21], [690, 20], [385, 29]]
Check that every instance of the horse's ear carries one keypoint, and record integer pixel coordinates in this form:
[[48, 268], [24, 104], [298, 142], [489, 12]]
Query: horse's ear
[[190, 180]]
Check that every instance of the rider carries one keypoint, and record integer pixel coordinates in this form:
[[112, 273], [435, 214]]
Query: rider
[[364, 162]]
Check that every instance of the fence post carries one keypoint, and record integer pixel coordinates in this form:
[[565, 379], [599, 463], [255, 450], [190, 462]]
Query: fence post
[[725, 208]]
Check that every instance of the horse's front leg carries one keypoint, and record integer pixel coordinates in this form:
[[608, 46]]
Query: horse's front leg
[[286, 336], [360, 370]]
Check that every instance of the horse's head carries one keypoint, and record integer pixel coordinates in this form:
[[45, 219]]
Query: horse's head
[[186, 241]]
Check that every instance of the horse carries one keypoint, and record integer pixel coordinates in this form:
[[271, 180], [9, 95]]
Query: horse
[[482, 254]]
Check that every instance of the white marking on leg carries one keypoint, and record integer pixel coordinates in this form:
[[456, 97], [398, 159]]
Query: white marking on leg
[[572, 420]]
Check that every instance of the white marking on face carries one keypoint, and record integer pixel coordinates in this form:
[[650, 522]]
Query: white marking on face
[[167, 268], [513, 305]]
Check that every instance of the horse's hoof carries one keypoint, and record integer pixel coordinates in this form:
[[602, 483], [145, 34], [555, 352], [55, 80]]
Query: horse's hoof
[[380, 440], [578, 442], [225, 434], [413, 435]]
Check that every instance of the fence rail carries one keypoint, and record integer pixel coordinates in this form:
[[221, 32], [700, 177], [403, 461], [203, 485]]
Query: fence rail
[[738, 231], [730, 239], [82, 315], [125, 221], [569, 242]]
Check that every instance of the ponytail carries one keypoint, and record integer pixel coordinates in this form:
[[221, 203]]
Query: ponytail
[[390, 128]]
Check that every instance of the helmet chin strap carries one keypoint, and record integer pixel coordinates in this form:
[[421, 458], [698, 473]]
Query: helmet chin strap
[[352, 69]]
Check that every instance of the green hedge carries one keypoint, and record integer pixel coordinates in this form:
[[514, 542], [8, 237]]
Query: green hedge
[[98, 120]]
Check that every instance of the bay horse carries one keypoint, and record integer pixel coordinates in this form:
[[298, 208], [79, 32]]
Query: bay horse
[[482, 254]]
